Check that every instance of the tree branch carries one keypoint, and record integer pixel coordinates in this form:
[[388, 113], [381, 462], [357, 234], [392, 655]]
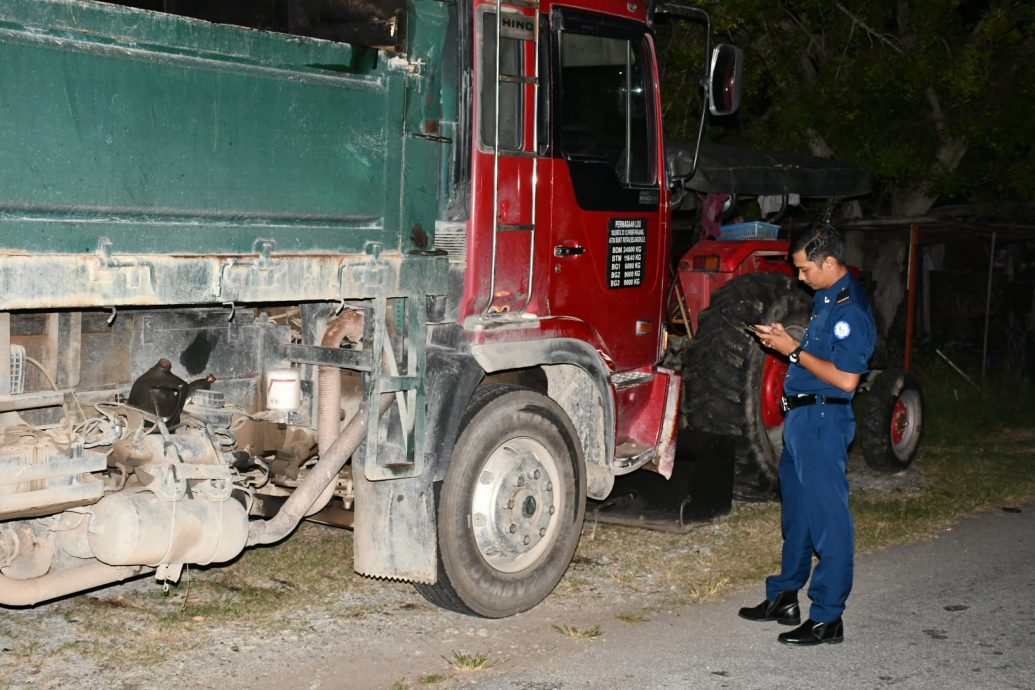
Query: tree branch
[[952, 149], [937, 115], [906, 35], [866, 27], [818, 144]]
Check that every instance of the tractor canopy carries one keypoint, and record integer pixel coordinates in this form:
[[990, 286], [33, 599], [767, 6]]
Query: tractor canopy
[[747, 172]]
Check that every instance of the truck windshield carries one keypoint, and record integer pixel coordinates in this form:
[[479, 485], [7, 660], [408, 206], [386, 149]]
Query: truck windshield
[[605, 104]]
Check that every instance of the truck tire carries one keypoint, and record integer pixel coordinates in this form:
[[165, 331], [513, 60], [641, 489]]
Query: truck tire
[[891, 420], [733, 386], [511, 505]]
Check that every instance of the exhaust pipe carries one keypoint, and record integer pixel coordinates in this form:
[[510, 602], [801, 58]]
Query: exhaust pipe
[[348, 326], [323, 474]]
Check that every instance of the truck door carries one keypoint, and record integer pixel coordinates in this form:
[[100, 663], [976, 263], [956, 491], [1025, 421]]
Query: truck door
[[609, 238]]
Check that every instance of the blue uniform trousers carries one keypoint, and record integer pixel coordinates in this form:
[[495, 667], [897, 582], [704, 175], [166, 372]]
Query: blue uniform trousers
[[816, 517]]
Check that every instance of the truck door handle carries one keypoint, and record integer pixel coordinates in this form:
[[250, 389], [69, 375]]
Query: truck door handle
[[563, 250]]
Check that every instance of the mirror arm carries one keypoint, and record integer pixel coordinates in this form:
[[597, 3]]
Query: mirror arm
[[700, 127], [681, 11]]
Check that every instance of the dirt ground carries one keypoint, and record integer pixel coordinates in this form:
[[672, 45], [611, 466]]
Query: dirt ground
[[132, 636]]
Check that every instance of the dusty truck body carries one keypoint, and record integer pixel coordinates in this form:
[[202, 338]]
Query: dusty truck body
[[223, 201], [411, 284]]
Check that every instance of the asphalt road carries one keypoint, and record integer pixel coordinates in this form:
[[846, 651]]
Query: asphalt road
[[957, 611]]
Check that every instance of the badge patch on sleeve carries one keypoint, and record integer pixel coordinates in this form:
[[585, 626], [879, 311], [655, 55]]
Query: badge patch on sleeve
[[842, 330]]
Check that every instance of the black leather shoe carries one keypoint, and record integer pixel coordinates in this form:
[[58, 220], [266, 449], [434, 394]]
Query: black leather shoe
[[810, 633], [784, 610]]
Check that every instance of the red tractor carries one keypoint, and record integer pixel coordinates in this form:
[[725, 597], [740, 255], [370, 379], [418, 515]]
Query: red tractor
[[741, 273]]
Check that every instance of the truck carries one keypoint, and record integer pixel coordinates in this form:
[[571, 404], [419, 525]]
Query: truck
[[398, 267]]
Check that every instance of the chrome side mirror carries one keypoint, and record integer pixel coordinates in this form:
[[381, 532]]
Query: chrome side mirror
[[724, 79]]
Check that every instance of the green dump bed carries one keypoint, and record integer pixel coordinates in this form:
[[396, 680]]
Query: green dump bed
[[161, 148]]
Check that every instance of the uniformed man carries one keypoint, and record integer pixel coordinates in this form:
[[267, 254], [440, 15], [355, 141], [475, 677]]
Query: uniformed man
[[825, 369]]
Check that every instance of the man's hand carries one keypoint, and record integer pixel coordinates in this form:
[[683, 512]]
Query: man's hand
[[774, 337]]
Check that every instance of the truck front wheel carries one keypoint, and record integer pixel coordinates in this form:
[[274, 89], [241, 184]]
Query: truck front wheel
[[732, 385], [511, 506]]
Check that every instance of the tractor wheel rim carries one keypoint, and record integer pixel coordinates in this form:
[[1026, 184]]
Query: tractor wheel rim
[[899, 422], [906, 420], [774, 371]]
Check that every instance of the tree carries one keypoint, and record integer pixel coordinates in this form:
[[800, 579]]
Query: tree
[[931, 96]]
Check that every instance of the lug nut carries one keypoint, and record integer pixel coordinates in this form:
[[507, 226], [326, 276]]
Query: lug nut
[[551, 510], [549, 486], [510, 503], [513, 528], [535, 475], [526, 540], [542, 531]]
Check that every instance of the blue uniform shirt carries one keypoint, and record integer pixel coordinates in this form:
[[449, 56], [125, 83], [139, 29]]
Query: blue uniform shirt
[[842, 331]]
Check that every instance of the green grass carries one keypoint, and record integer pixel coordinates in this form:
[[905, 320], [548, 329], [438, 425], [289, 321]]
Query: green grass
[[638, 617], [962, 478], [978, 454], [959, 413], [462, 661], [433, 678], [579, 633]]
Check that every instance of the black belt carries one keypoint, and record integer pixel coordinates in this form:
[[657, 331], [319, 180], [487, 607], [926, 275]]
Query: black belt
[[789, 403]]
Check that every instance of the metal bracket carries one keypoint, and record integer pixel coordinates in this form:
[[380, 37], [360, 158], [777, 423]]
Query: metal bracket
[[383, 460], [415, 68], [264, 248], [169, 481], [168, 572], [371, 273], [265, 263], [122, 277]]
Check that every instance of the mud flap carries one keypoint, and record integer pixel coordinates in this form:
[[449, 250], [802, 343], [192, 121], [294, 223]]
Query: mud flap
[[701, 488], [395, 528], [395, 519]]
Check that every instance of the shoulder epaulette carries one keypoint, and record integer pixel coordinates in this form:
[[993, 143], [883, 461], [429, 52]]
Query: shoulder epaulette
[[843, 296]]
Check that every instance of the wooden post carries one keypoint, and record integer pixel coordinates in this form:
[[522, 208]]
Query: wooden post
[[988, 309], [914, 236]]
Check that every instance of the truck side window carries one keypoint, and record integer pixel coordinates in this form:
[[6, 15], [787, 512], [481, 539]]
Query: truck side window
[[511, 131], [605, 110]]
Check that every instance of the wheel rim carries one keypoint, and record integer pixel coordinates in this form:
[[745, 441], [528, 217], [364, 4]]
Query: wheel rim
[[774, 371], [516, 505], [905, 423], [899, 422]]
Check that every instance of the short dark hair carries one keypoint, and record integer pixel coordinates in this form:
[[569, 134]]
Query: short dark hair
[[819, 241]]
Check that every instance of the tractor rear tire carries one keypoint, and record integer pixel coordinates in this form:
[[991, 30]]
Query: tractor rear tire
[[731, 384]]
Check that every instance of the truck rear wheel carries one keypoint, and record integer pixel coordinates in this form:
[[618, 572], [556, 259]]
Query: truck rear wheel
[[732, 386], [511, 506], [891, 420]]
